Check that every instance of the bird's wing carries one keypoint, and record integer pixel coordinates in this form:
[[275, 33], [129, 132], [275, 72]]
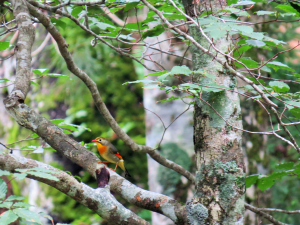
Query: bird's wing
[[113, 149]]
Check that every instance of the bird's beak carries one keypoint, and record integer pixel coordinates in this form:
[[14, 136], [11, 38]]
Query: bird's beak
[[94, 141]]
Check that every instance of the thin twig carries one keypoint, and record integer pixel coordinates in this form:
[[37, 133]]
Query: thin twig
[[265, 215]]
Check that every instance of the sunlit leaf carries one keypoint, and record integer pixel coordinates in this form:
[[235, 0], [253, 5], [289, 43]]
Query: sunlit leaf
[[279, 86], [76, 10], [130, 5], [250, 180], [285, 166], [4, 45], [8, 217], [3, 189], [156, 31], [27, 215], [58, 23]]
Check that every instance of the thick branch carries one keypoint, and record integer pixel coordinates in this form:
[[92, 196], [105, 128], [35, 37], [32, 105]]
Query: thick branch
[[150, 200], [23, 50], [99, 200], [98, 100]]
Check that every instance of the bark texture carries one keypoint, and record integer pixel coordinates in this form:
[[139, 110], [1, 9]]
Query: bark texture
[[220, 178], [23, 49]]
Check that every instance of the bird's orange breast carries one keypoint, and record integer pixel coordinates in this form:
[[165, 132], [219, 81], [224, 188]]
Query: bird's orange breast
[[101, 148]]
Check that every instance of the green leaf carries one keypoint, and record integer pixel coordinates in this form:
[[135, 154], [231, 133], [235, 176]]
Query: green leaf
[[254, 35], [255, 43], [265, 183], [174, 16], [36, 84], [38, 150], [27, 215], [268, 181], [40, 71], [287, 8], [246, 29], [3, 189], [250, 180], [172, 98], [57, 75], [151, 86], [43, 175], [245, 3], [20, 176], [22, 205], [2, 80], [295, 6], [6, 205], [78, 178], [163, 77], [278, 65], [248, 62], [76, 10], [4, 45], [156, 73], [261, 12], [295, 111], [177, 70], [57, 121], [58, 23], [139, 81], [230, 2], [279, 86], [34, 135], [8, 217], [285, 166], [50, 149], [103, 26], [217, 30], [4, 173], [45, 215], [15, 198], [156, 31], [130, 6]]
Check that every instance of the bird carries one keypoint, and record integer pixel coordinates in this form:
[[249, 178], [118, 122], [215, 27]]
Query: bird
[[109, 152]]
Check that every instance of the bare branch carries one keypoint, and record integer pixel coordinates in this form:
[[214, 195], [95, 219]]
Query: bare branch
[[294, 143], [265, 215], [279, 210]]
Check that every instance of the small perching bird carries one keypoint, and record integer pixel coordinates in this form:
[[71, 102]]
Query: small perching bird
[[109, 152]]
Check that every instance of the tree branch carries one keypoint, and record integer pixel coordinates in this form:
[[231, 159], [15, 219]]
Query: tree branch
[[99, 200], [98, 100], [265, 215], [149, 200], [23, 50]]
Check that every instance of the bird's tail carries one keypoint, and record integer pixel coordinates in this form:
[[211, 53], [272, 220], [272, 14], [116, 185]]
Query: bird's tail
[[127, 174], [121, 165]]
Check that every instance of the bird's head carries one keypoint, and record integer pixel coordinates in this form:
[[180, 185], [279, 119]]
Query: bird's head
[[101, 141]]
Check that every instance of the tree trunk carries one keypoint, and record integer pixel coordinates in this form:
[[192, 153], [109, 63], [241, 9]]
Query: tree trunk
[[220, 176]]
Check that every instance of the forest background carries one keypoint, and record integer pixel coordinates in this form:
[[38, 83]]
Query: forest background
[[61, 97]]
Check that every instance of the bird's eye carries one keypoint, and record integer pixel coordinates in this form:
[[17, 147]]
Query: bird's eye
[[100, 140]]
